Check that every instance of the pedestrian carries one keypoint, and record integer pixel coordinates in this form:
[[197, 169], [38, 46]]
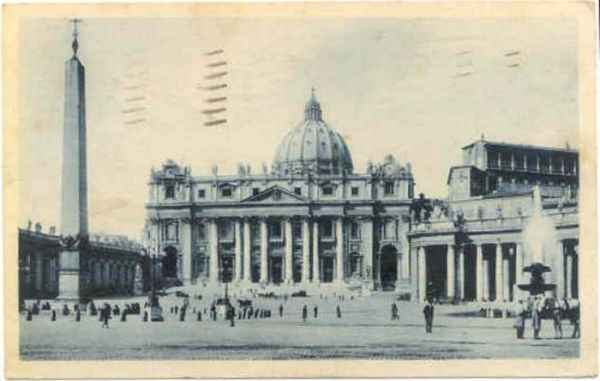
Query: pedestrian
[[53, 317], [521, 314], [556, 319], [575, 320], [256, 313], [199, 317], [77, 315], [124, 316], [304, 313], [536, 320], [338, 311], [316, 311], [145, 318], [29, 315], [428, 314], [182, 314], [394, 311], [281, 310], [65, 310], [106, 316]]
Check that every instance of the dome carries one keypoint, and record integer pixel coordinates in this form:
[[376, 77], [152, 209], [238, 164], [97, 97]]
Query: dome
[[312, 147]]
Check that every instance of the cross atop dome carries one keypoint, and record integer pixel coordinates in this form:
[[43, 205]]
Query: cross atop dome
[[312, 110], [75, 44]]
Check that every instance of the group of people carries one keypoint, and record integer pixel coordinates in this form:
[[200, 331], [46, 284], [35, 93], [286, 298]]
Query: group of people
[[540, 307]]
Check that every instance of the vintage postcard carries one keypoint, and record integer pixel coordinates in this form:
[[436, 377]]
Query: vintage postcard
[[300, 190]]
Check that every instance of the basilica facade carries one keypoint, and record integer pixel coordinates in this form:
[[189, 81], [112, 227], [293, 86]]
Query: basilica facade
[[308, 220]]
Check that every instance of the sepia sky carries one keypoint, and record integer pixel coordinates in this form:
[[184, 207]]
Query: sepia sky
[[419, 89]]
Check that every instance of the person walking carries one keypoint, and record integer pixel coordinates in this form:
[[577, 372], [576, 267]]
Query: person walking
[[316, 311], [521, 313], [394, 311], [428, 314], [281, 310], [338, 311], [575, 321], [105, 315], [304, 313], [557, 320], [536, 319]]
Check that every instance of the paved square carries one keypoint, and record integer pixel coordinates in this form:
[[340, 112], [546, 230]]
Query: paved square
[[364, 331]]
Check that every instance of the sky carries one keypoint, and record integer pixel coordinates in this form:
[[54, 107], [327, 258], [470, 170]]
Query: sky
[[419, 89]]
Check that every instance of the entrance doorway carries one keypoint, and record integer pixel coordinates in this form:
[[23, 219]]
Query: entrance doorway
[[389, 267], [436, 272], [470, 281], [276, 269], [169, 263], [327, 267]]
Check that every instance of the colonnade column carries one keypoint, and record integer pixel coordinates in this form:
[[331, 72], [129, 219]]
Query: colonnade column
[[316, 276], [213, 272], [486, 279], [264, 251], [479, 271], [506, 278], [186, 250], [422, 271], [569, 280], [499, 268], [305, 251], [339, 249], [450, 271], [289, 242], [559, 270], [461, 272], [247, 251], [238, 250], [519, 264]]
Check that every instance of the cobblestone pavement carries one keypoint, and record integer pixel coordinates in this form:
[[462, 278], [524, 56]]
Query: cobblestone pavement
[[364, 331]]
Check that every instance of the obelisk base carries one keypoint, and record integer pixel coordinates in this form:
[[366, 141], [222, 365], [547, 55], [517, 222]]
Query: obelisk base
[[69, 276]]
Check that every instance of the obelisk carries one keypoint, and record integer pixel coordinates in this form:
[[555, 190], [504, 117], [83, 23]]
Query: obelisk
[[74, 218]]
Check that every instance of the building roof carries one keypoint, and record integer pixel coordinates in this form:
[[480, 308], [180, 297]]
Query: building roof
[[522, 146]]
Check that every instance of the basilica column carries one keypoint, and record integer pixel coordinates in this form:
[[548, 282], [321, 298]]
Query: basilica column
[[479, 271], [486, 278], [414, 279], [339, 249], [247, 251], [264, 251], [305, 251], [316, 277], [506, 273], [214, 251], [367, 250], [186, 249], [499, 268], [289, 245], [450, 273], [422, 270], [238, 250]]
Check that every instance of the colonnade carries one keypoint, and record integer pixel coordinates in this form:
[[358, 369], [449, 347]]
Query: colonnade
[[489, 271]]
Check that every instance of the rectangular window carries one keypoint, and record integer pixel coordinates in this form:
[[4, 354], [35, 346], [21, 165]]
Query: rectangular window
[[298, 191], [226, 192], [354, 191], [327, 191], [297, 230], [170, 192], [201, 193], [171, 231], [327, 229], [389, 188], [255, 191], [275, 230], [355, 230], [202, 232]]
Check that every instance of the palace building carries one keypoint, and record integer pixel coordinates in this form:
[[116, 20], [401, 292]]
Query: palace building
[[309, 220], [509, 205]]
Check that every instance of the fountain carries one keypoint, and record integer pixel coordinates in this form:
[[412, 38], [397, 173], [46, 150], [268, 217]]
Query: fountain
[[539, 238]]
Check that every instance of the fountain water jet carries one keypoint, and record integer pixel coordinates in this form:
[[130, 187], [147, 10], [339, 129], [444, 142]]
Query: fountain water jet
[[540, 242]]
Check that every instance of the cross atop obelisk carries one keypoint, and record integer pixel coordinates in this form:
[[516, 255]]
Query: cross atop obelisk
[[75, 44]]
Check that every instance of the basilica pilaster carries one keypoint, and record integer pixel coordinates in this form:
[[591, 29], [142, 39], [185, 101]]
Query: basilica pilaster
[[213, 228], [264, 251], [339, 249], [238, 250], [305, 251], [186, 249], [289, 247], [247, 251], [367, 250], [316, 276]]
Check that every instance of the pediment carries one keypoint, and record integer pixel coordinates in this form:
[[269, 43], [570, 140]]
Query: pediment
[[275, 194]]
